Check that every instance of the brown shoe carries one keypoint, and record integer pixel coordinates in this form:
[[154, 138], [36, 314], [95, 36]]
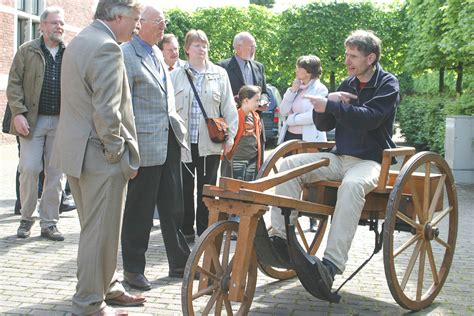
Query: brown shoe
[[52, 233], [127, 300], [137, 281]]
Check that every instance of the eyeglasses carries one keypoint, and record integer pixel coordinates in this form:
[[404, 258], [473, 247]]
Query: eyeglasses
[[161, 23], [56, 23]]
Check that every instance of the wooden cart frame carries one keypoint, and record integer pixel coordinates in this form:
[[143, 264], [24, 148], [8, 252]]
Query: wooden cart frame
[[418, 206]]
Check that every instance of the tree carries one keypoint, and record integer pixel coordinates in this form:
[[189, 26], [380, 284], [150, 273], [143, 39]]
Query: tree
[[457, 41], [321, 29], [222, 24], [425, 29], [265, 3]]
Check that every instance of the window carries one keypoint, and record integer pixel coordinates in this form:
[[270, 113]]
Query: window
[[22, 31], [28, 19], [34, 7], [21, 5]]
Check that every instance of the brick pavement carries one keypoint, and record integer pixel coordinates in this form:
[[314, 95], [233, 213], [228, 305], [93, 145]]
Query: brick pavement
[[37, 276]]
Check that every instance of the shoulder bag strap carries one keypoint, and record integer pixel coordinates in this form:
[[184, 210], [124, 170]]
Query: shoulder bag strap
[[196, 95]]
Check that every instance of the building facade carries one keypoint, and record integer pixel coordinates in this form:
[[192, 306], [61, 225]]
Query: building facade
[[19, 22]]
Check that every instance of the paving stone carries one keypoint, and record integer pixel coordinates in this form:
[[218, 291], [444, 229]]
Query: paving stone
[[38, 277]]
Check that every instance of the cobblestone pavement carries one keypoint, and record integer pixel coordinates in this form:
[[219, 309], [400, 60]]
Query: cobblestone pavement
[[37, 276]]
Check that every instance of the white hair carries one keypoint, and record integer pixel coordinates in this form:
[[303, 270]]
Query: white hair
[[239, 38]]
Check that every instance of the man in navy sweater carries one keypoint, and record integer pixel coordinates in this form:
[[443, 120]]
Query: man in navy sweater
[[362, 111]]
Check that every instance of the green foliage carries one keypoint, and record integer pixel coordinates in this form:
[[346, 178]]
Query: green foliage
[[458, 31], [179, 24], [321, 29], [266, 3], [425, 26], [422, 118], [441, 35], [418, 38]]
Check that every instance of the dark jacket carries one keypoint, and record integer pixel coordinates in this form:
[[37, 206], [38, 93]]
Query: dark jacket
[[237, 79], [364, 127]]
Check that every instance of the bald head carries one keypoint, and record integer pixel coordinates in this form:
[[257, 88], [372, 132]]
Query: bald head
[[150, 11], [153, 25], [244, 46]]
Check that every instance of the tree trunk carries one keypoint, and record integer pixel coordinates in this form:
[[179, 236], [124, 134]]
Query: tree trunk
[[441, 80], [332, 81], [459, 70]]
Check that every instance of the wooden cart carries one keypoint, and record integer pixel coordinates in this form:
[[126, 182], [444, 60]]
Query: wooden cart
[[417, 204]]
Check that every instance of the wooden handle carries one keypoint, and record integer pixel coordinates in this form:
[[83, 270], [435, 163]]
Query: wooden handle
[[268, 182]]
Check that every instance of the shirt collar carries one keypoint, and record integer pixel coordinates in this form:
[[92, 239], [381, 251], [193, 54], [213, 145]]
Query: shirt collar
[[113, 34], [145, 45], [241, 61], [45, 49]]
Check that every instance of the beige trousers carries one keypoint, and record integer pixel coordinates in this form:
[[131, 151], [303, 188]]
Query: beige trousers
[[100, 198], [35, 153], [358, 177]]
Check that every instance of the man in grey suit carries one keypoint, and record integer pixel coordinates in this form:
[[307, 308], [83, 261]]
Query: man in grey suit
[[96, 147], [161, 134]]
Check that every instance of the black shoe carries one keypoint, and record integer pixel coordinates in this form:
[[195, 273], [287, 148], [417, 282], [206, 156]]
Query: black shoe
[[24, 230], [67, 203], [52, 233], [323, 272], [137, 280], [281, 248]]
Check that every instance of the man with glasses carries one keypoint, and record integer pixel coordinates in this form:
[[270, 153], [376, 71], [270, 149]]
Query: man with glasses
[[34, 94], [169, 46], [161, 134], [243, 69], [96, 147]]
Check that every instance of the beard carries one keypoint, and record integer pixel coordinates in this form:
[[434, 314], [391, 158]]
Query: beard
[[55, 37]]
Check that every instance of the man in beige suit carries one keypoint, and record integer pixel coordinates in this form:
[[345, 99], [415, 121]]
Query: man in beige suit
[[96, 146]]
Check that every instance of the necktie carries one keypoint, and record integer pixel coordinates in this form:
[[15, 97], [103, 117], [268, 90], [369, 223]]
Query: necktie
[[170, 68], [247, 73]]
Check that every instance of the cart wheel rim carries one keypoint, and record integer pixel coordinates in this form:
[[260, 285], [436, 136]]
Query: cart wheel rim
[[217, 241], [417, 262]]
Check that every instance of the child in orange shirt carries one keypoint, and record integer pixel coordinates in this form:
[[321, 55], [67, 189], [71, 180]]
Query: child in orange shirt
[[245, 158]]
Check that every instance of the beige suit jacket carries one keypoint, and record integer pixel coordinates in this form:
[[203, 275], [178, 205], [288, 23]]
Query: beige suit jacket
[[95, 103]]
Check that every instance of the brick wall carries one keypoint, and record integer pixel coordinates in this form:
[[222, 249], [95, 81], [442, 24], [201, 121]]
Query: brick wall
[[78, 14]]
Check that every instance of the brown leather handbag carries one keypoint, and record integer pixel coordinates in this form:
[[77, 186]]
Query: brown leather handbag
[[217, 127]]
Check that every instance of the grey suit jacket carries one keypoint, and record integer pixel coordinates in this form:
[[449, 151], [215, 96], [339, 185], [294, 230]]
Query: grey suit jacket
[[95, 104], [153, 103]]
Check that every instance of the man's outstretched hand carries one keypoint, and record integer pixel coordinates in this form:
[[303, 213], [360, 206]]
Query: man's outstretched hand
[[319, 103]]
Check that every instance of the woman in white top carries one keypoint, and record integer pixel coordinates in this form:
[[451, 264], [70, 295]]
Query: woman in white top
[[298, 110]]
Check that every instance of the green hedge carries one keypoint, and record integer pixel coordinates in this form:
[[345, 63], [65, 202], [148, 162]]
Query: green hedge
[[422, 118]]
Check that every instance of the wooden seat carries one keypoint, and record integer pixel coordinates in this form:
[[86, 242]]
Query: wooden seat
[[325, 192]]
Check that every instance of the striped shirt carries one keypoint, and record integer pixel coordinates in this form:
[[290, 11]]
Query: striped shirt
[[195, 109]]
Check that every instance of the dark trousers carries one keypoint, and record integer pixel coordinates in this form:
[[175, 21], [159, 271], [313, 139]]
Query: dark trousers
[[291, 136], [205, 169], [155, 185]]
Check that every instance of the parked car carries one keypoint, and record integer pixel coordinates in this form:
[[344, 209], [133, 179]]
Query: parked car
[[271, 117]]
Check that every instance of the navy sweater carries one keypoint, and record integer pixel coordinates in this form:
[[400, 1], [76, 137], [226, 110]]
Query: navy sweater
[[364, 127]]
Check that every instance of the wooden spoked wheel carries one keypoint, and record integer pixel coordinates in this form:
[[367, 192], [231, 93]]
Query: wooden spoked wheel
[[417, 259], [310, 239], [212, 296]]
